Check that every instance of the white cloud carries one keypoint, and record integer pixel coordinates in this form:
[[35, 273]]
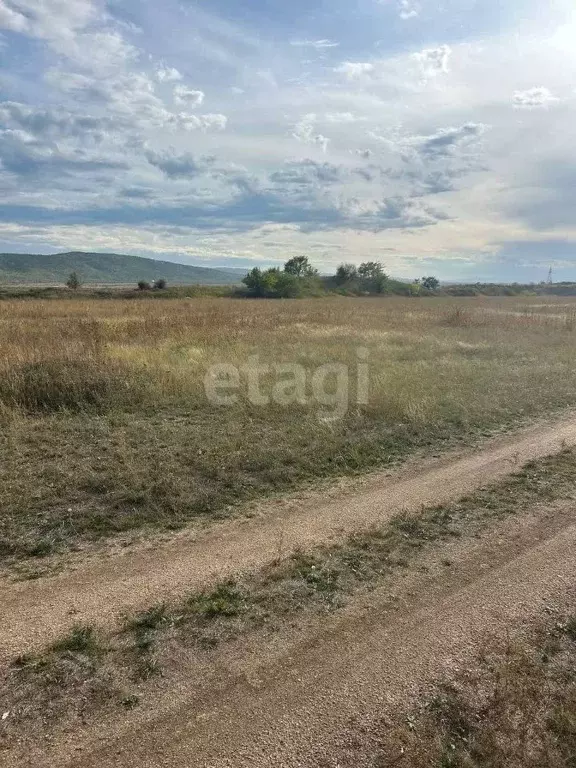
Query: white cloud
[[319, 45], [13, 20], [342, 117], [57, 123], [408, 9], [354, 70], [188, 97], [216, 121], [409, 138], [167, 74], [434, 60], [103, 52], [304, 131], [534, 98], [49, 19]]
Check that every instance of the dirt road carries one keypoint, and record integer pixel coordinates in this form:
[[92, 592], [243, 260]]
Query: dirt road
[[99, 591], [291, 701]]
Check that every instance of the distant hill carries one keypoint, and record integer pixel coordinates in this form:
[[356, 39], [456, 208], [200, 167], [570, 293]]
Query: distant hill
[[54, 269]]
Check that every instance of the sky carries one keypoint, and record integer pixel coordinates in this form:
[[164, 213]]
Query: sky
[[435, 136]]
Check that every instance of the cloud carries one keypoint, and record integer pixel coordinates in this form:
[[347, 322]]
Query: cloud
[[12, 19], [534, 98], [434, 61], [304, 131], [354, 70], [319, 45], [167, 74], [307, 172], [54, 123], [178, 166], [342, 117], [49, 19], [74, 29], [187, 97], [137, 193], [102, 136], [187, 122], [408, 9], [448, 140], [24, 155]]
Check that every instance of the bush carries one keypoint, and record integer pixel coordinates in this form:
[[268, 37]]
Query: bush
[[143, 285], [276, 284], [74, 282], [160, 284]]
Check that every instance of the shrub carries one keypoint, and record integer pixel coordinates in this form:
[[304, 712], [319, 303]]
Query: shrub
[[74, 281], [430, 283], [160, 284], [143, 285]]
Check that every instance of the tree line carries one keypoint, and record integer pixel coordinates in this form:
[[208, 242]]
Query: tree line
[[299, 278]]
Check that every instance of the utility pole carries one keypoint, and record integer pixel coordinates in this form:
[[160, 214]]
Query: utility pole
[[550, 276]]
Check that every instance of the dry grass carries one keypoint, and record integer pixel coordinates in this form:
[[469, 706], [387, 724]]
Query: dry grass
[[106, 426]]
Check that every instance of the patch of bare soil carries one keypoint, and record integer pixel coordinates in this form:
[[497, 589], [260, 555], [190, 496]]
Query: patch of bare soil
[[285, 700]]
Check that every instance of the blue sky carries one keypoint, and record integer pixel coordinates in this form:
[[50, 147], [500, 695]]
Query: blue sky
[[436, 137]]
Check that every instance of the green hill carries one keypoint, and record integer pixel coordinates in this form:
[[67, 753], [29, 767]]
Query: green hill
[[107, 268]]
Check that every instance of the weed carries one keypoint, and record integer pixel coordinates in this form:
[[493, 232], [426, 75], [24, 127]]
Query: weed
[[226, 599], [149, 620], [81, 639]]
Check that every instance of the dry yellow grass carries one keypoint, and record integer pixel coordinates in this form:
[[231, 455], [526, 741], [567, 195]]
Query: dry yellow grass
[[107, 427]]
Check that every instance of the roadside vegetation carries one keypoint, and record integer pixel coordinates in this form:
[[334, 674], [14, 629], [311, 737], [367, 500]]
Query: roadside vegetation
[[514, 706], [107, 428], [88, 671]]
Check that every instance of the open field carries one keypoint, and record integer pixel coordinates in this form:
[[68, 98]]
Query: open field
[[387, 501], [107, 427]]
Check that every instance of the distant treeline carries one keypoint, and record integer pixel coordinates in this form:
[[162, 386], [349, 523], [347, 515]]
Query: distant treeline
[[297, 279], [510, 289]]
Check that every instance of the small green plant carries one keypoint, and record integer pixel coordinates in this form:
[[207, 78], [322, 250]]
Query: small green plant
[[81, 639], [227, 599], [160, 285], [144, 285], [148, 620]]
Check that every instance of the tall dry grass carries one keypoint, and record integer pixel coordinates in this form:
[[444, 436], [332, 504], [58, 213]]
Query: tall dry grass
[[106, 426]]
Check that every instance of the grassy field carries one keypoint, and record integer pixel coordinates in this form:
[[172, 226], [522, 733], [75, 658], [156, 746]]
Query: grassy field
[[106, 426]]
